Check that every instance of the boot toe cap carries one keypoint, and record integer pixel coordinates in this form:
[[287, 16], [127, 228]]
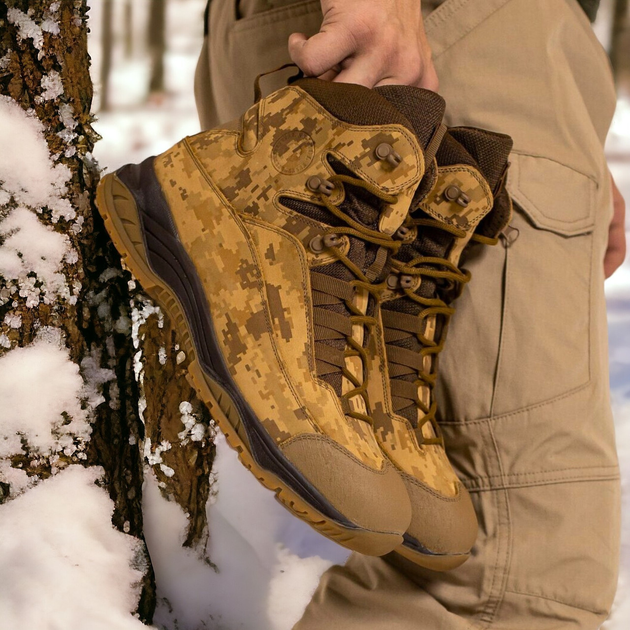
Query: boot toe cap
[[372, 499], [440, 525]]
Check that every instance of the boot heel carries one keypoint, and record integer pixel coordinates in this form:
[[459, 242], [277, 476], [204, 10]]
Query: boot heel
[[119, 211]]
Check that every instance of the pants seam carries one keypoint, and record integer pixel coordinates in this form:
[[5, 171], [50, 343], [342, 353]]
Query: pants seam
[[520, 411], [557, 601], [490, 488], [553, 470], [442, 18], [504, 546]]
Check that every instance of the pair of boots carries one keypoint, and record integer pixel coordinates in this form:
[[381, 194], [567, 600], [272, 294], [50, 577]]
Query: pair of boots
[[307, 254]]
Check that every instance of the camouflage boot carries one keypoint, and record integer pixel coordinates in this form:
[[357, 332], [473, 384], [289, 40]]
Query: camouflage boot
[[264, 241], [467, 202]]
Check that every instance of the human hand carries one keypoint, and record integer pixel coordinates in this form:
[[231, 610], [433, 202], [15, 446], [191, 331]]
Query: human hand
[[616, 250], [369, 42]]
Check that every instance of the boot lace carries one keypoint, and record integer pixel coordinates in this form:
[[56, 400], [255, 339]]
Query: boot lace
[[404, 362], [329, 292]]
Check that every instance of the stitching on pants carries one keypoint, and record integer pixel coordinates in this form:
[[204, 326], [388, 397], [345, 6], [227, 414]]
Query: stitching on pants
[[550, 470], [497, 374], [589, 220], [593, 178], [471, 28], [536, 484], [518, 412], [504, 537], [557, 601]]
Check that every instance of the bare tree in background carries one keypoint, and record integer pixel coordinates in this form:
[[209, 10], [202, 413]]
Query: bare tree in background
[[156, 40], [106, 325], [107, 45], [620, 39], [128, 28]]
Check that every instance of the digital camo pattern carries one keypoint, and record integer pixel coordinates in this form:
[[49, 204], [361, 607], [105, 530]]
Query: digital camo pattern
[[241, 300], [426, 463], [294, 135], [472, 184], [285, 270]]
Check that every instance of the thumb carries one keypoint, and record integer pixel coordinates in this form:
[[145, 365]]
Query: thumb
[[317, 54]]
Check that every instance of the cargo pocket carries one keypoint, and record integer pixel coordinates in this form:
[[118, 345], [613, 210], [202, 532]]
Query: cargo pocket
[[546, 322]]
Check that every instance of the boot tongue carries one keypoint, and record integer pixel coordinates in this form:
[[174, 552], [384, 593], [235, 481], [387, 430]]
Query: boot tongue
[[422, 108]]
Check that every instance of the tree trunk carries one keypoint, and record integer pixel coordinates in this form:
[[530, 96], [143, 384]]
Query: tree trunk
[[156, 39], [128, 26], [620, 39], [122, 343], [107, 45]]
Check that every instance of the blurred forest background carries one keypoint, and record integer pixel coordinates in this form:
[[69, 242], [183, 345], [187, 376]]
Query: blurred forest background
[[144, 54]]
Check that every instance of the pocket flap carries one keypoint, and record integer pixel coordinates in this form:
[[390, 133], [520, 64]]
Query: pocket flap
[[553, 196]]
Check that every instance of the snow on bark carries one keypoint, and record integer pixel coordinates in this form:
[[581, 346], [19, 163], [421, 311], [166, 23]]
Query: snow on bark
[[51, 422], [72, 554], [52, 538]]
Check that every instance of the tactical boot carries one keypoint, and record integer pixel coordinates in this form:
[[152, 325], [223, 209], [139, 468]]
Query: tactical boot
[[264, 241], [467, 201]]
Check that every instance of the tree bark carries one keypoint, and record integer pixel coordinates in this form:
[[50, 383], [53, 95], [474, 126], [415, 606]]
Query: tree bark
[[106, 323]]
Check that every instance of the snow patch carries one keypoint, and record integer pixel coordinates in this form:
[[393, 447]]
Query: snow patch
[[27, 172], [30, 247], [292, 585], [50, 26], [193, 429], [74, 570], [27, 29], [52, 87], [40, 389], [267, 563]]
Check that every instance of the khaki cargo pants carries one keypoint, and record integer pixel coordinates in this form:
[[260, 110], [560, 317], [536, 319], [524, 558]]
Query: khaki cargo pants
[[524, 376]]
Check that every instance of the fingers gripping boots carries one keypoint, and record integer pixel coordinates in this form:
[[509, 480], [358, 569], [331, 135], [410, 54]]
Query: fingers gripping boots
[[467, 203], [264, 241]]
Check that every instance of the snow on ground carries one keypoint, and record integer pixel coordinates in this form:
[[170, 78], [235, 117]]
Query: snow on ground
[[62, 564], [265, 562]]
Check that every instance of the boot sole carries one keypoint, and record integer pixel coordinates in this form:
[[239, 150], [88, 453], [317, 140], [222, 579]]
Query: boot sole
[[434, 562], [118, 208]]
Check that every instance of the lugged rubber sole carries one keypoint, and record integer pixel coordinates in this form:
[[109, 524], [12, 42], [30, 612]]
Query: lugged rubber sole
[[120, 214]]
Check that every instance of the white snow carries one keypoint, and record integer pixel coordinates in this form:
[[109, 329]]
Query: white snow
[[27, 171], [52, 86], [27, 28], [30, 247], [62, 565], [266, 563], [193, 429], [38, 384]]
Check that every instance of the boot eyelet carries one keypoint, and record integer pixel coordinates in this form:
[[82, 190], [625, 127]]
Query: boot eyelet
[[406, 282], [317, 244], [392, 282], [320, 185], [402, 232], [455, 193], [385, 152]]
